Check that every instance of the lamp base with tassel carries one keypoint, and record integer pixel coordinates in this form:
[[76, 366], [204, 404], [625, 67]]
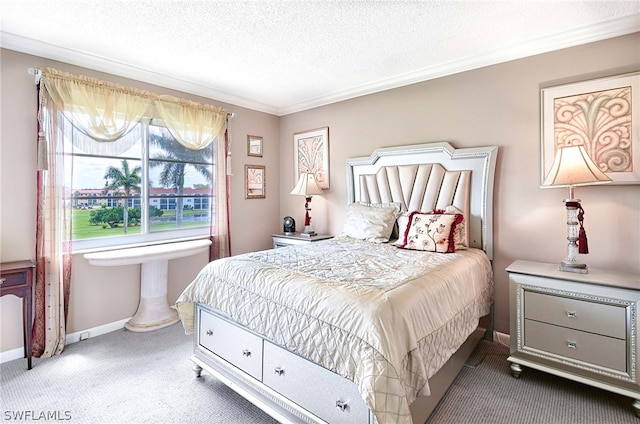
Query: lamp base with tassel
[[572, 262]]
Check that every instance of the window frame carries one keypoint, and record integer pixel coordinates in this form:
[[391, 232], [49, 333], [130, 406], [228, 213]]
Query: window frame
[[146, 235]]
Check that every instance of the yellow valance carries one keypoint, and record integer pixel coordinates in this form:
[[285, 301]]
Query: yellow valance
[[106, 112]]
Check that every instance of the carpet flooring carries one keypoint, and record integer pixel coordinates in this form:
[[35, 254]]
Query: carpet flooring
[[485, 392], [125, 377]]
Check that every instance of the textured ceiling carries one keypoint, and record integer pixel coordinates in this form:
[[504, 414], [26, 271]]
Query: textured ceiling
[[285, 56]]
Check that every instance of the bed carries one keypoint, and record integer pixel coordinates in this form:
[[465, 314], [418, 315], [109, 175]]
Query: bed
[[373, 325]]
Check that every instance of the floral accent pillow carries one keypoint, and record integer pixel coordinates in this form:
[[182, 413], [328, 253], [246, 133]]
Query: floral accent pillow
[[432, 232]]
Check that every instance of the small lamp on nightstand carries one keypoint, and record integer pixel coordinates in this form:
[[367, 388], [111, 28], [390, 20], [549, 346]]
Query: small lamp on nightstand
[[307, 187], [572, 167]]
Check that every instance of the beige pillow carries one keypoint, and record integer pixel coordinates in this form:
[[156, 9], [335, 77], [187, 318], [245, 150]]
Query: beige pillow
[[371, 222], [431, 232], [403, 226], [460, 235]]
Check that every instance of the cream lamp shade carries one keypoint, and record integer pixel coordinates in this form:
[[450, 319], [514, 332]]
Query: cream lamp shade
[[307, 187], [572, 166]]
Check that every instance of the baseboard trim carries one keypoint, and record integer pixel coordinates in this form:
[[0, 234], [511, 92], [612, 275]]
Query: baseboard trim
[[97, 331], [18, 353], [502, 338]]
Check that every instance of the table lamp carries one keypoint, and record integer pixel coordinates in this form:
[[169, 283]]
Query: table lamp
[[572, 167], [307, 187]]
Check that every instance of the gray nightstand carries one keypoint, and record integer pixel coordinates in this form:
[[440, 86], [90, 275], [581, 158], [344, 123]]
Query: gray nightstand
[[282, 239], [583, 327]]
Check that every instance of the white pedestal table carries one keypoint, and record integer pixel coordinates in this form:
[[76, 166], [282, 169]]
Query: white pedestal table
[[153, 310]]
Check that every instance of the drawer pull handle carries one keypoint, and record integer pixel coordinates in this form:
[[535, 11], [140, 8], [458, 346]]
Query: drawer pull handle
[[209, 333], [572, 345], [342, 405], [279, 371], [2, 280], [246, 353], [572, 314]]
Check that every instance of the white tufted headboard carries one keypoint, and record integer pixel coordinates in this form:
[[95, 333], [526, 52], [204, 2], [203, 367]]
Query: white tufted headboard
[[431, 176]]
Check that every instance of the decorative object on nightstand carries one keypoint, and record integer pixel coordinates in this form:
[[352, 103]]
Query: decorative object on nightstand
[[583, 327], [288, 225], [307, 187], [573, 167]]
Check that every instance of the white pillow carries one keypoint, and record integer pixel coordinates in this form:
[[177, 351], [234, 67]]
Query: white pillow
[[371, 222]]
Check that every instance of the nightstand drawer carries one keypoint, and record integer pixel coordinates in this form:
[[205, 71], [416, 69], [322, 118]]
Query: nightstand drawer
[[283, 240], [14, 279], [599, 318], [604, 351]]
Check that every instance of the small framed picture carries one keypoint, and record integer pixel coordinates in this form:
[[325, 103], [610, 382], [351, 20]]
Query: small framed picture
[[254, 146], [254, 176]]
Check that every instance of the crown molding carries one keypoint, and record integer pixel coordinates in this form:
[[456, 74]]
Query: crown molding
[[571, 38], [86, 60], [584, 35]]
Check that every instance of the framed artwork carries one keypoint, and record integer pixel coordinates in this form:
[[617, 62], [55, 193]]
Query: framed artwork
[[255, 180], [601, 114], [254, 146], [311, 149]]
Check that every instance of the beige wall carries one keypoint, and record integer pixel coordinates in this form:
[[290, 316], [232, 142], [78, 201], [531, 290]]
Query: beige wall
[[497, 105], [103, 295]]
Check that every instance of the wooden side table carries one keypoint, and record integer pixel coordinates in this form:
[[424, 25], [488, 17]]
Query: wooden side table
[[16, 278]]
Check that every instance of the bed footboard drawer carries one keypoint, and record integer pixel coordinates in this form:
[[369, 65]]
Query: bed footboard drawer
[[230, 342], [322, 392]]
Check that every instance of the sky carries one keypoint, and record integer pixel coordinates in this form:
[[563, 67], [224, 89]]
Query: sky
[[89, 173]]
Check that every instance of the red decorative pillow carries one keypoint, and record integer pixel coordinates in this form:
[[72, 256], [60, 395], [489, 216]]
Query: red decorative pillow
[[431, 232]]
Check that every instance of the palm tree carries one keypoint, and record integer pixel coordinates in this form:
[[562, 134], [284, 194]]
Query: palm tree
[[173, 165], [124, 178]]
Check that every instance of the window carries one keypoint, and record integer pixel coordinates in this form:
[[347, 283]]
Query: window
[[152, 189]]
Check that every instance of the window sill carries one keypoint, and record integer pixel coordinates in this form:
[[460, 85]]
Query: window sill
[[135, 245], [147, 253]]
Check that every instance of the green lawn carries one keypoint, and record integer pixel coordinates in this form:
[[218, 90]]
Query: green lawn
[[82, 229]]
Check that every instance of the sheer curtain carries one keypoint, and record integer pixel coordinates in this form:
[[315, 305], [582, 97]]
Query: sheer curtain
[[103, 112], [220, 237], [53, 239]]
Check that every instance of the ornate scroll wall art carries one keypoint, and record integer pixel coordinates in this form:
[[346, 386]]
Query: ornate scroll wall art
[[311, 149], [601, 114]]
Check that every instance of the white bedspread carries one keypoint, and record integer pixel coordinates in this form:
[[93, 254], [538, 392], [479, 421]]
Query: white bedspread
[[383, 317]]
